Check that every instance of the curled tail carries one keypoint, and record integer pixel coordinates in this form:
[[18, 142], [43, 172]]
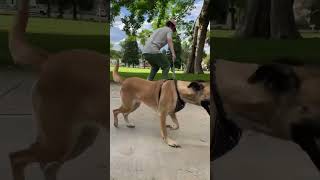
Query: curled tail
[[115, 74], [21, 51]]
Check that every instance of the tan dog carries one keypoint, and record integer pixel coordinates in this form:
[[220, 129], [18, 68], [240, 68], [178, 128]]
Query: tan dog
[[164, 96], [69, 101], [279, 100]]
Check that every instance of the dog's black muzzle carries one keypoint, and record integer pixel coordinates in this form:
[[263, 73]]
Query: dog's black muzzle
[[206, 105]]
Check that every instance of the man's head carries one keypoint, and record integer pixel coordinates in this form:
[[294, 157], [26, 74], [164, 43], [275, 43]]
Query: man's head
[[172, 24]]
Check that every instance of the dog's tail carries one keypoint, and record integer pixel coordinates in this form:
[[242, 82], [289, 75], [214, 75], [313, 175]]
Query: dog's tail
[[115, 74], [21, 51]]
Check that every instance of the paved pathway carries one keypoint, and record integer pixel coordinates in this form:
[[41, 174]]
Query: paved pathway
[[17, 132], [139, 153]]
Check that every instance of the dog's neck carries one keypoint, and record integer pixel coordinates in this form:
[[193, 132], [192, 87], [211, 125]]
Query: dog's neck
[[186, 93]]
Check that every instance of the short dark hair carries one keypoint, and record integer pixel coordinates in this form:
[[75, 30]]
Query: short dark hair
[[171, 25]]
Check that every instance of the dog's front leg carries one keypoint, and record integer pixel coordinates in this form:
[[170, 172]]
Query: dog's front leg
[[175, 121], [163, 131]]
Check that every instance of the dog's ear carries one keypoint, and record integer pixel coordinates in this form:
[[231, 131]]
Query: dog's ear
[[196, 86], [276, 77]]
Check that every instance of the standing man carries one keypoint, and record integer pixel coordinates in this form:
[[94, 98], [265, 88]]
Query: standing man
[[151, 51]]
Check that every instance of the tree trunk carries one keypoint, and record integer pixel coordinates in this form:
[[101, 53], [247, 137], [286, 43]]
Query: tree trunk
[[233, 19], [49, 8], [283, 24], [256, 21], [60, 9], [75, 12], [203, 24], [190, 64], [269, 19]]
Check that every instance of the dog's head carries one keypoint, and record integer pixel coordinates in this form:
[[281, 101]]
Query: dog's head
[[277, 78], [198, 93], [298, 101]]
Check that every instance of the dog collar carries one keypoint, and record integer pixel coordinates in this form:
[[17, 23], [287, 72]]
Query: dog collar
[[180, 103]]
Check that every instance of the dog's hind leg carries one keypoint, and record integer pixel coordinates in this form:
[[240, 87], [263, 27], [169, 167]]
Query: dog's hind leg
[[175, 121], [125, 115], [19, 160], [163, 131], [123, 110]]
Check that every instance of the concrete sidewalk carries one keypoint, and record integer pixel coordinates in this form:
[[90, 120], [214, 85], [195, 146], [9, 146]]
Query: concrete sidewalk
[[17, 132], [262, 157], [139, 153]]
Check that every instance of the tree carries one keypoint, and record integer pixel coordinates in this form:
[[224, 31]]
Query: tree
[[144, 35], [49, 8], [186, 50], [220, 10], [61, 6], [199, 37], [156, 12], [114, 53], [48, 2], [269, 19], [206, 60], [131, 52], [74, 9]]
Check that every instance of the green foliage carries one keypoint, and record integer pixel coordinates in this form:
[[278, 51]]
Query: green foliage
[[178, 50], [186, 51], [156, 11], [144, 35], [131, 24], [114, 54], [130, 51], [206, 60]]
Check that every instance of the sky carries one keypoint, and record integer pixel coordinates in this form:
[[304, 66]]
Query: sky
[[117, 35]]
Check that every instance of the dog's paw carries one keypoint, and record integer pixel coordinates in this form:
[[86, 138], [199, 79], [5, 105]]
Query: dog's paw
[[131, 125], [115, 124], [172, 143]]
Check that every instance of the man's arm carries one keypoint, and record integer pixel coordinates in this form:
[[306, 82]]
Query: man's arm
[[170, 44]]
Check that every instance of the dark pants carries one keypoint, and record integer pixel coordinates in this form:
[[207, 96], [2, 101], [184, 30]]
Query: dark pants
[[157, 61]]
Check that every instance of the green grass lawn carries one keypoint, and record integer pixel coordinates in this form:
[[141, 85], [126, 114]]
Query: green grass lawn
[[56, 35], [143, 73], [306, 50]]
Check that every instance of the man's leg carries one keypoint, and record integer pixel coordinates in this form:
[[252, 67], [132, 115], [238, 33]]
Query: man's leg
[[153, 72], [152, 60], [165, 66]]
